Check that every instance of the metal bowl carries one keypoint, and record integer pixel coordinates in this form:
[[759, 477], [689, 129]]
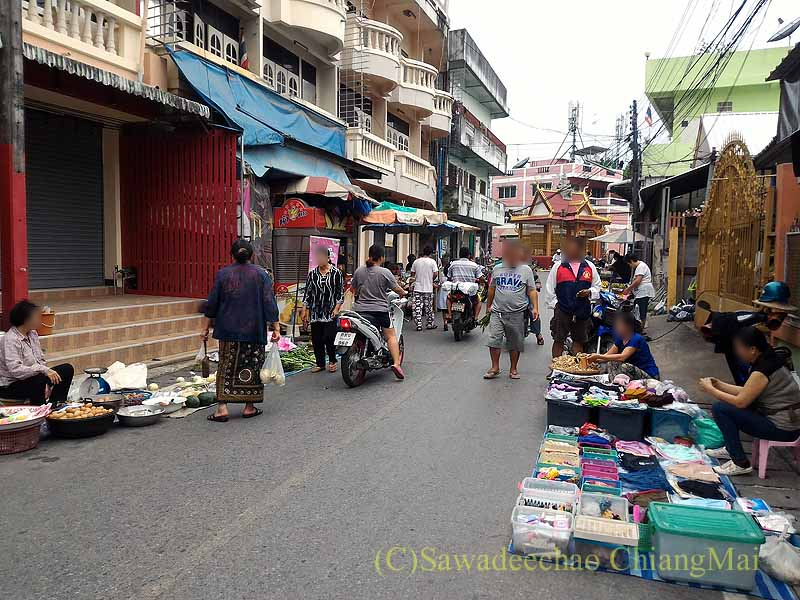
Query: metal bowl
[[139, 416], [112, 401], [80, 428], [170, 404]]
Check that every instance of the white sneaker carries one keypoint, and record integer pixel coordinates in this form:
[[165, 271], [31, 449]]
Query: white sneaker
[[719, 453], [730, 469]]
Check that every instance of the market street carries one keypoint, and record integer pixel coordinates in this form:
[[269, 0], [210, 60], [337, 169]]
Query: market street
[[297, 504]]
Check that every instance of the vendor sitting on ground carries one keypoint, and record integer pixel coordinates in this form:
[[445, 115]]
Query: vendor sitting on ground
[[767, 407], [24, 374], [630, 355]]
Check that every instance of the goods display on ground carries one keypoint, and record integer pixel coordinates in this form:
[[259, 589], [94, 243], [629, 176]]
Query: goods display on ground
[[104, 401], [622, 483]]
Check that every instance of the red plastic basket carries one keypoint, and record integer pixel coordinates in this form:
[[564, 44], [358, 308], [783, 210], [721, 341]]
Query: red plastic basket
[[19, 440]]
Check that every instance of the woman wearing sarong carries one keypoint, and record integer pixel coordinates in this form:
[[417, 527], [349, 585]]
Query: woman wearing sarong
[[242, 307]]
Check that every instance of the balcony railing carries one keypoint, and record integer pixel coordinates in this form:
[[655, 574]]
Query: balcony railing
[[86, 25], [418, 74], [414, 168], [377, 37], [443, 103], [365, 147]]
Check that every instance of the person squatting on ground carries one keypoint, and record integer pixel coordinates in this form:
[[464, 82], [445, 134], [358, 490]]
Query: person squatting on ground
[[766, 407], [425, 272], [512, 291], [571, 285], [630, 355]]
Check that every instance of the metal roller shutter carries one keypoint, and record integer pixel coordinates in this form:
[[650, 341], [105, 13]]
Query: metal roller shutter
[[64, 164]]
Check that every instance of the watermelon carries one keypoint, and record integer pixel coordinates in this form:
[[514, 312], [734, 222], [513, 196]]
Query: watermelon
[[193, 402], [207, 398]]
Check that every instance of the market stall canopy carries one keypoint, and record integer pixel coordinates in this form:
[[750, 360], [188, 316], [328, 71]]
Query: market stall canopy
[[462, 226], [321, 186], [388, 213], [621, 236]]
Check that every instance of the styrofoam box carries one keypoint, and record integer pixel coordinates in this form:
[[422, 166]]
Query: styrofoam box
[[537, 539]]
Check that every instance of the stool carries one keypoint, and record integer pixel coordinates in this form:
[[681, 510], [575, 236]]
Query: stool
[[761, 453]]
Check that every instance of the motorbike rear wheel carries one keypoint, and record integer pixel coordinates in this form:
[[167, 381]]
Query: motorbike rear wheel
[[457, 329], [402, 345], [352, 374]]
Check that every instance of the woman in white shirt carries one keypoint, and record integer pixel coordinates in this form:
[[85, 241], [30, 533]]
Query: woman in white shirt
[[641, 285]]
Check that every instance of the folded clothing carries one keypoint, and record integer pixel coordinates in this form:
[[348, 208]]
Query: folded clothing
[[702, 489], [644, 498], [633, 462], [633, 447], [645, 479]]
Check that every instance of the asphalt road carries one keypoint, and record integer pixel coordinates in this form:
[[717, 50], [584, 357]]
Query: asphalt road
[[299, 502]]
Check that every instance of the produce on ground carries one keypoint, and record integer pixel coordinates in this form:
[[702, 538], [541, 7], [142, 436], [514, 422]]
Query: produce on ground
[[298, 359], [577, 365], [207, 398], [87, 411], [192, 402]]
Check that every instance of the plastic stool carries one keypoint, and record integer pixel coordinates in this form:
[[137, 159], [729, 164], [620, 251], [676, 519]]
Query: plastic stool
[[761, 453]]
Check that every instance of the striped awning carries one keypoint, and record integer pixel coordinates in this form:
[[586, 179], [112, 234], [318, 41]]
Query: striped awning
[[136, 88], [321, 186]]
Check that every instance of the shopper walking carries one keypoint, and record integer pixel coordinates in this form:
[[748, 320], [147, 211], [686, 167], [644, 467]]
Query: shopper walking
[[323, 298], [242, 308], [512, 291], [570, 287], [425, 271], [641, 285]]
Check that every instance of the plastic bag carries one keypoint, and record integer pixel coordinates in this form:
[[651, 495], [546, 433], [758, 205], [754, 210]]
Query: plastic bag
[[779, 559], [706, 433], [201, 354], [272, 369], [132, 377]]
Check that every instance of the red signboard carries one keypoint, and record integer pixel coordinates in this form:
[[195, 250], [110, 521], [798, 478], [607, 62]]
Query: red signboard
[[296, 214]]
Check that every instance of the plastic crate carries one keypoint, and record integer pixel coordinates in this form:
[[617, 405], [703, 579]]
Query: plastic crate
[[552, 495], [570, 439], [601, 486], [607, 542], [594, 472], [720, 546], [669, 424], [600, 454], [624, 423], [536, 537], [568, 414], [619, 506], [560, 458]]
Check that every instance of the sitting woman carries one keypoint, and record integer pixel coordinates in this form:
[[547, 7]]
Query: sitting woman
[[24, 375], [766, 407], [630, 355]]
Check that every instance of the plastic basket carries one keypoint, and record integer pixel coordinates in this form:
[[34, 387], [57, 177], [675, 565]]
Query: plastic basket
[[570, 439], [19, 440], [619, 505], [539, 538], [601, 486], [645, 537], [544, 493]]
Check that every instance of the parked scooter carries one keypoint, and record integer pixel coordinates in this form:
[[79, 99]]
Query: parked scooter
[[362, 345], [462, 306]]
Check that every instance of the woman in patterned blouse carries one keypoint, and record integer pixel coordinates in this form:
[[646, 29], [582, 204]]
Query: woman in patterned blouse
[[323, 299]]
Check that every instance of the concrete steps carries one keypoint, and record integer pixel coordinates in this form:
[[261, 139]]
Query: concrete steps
[[94, 328]]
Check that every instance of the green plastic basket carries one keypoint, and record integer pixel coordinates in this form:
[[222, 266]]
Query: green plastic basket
[[645, 537]]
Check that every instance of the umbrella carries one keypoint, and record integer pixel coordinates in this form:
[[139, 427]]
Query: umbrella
[[621, 236], [387, 213]]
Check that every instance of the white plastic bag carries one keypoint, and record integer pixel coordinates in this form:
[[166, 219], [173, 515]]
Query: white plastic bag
[[779, 559], [272, 369], [132, 377], [201, 354]]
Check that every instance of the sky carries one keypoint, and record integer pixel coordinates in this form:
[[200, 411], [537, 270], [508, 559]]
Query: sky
[[592, 52]]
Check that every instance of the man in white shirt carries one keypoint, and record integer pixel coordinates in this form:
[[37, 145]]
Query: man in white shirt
[[425, 271], [571, 286], [641, 285]]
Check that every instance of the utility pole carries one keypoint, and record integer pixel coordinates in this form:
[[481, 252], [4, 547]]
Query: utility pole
[[13, 218], [619, 136], [635, 165], [574, 109]]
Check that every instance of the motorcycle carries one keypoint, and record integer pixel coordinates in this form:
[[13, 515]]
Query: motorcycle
[[362, 345], [721, 327], [462, 298]]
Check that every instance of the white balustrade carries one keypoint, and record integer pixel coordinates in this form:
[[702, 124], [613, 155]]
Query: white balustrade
[[368, 148], [415, 168], [418, 74], [443, 103], [378, 37], [95, 23]]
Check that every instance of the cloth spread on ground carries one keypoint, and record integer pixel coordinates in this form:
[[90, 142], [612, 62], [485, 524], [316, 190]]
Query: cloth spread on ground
[[696, 471]]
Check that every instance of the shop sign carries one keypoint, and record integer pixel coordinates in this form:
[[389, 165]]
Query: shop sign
[[297, 214]]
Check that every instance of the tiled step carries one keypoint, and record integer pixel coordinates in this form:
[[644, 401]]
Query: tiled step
[[146, 350], [103, 312], [56, 294], [98, 334]]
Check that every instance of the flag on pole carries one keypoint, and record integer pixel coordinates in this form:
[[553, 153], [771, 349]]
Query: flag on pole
[[244, 61], [648, 117]]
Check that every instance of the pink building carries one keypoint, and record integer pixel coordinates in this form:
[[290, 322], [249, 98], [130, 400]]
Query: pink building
[[517, 189]]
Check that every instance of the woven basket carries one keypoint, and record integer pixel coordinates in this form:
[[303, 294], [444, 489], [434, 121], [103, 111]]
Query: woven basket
[[19, 440]]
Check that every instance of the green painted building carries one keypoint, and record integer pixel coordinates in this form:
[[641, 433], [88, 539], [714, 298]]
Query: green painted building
[[741, 88]]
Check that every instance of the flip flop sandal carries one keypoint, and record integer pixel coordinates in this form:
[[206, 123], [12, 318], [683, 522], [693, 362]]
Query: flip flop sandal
[[253, 414], [514, 375], [316, 369], [332, 368], [540, 341], [491, 374], [398, 372], [217, 418], [434, 327]]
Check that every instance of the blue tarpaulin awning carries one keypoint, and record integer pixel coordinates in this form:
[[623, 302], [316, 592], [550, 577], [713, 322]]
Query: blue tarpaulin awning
[[293, 161], [265, 117]]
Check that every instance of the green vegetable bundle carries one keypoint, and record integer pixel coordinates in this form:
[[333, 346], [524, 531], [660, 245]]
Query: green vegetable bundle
[[484, 321], [300, 358]]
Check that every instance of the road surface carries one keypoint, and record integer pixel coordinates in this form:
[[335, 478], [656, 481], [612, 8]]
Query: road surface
[[299, 502]]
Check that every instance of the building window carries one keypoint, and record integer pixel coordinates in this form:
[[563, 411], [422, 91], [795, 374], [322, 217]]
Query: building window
[[597, 193], [281, 86], [684, 124], [507, 191], [269, 73], [471, 182], [231, 50], [543, 185], [543, 170], [482, 187], [726, 106], [309, 77], [587, 168]]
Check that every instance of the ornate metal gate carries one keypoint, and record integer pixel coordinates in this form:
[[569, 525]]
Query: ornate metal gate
[[731, 228]]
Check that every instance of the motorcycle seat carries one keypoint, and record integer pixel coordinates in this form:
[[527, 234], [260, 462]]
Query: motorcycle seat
[[468, 288]]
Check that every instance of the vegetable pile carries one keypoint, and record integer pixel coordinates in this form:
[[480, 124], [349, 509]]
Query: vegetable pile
[[298, 359]]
